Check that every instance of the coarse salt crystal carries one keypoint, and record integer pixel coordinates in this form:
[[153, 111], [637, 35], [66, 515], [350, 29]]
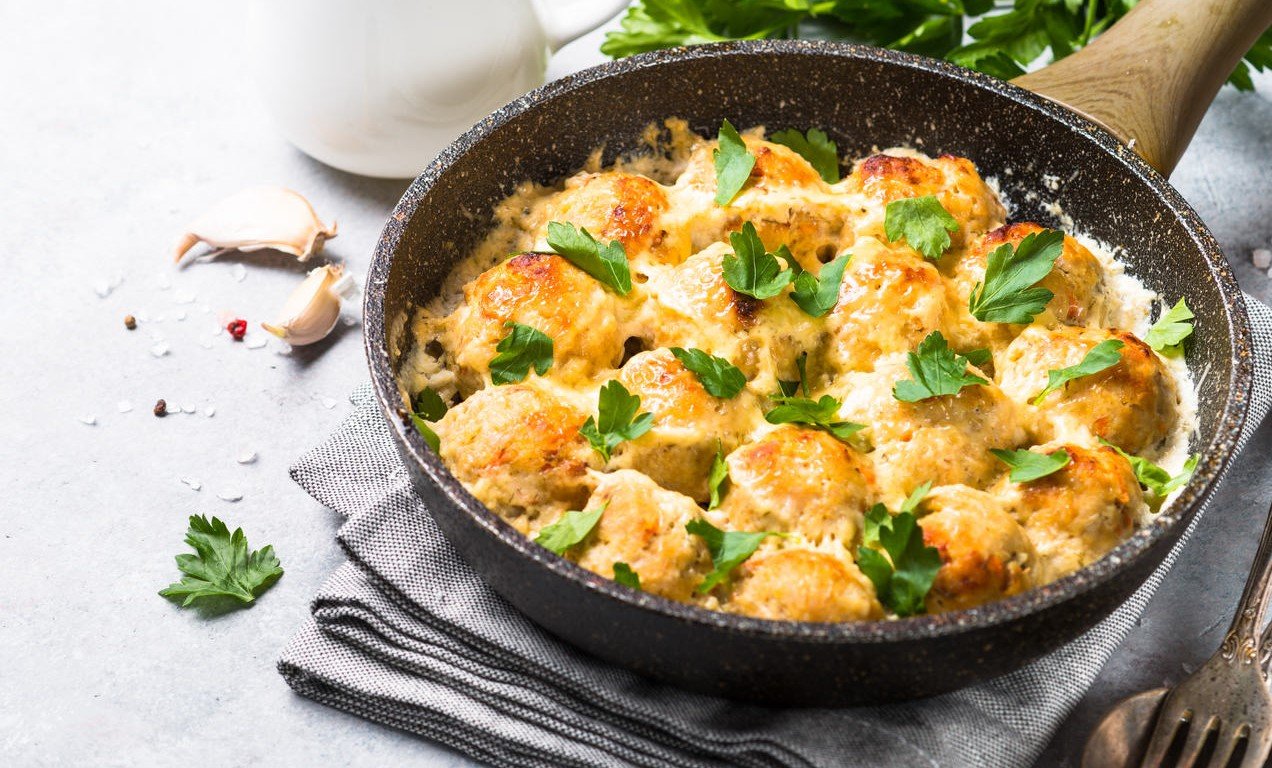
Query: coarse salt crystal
[[160, 349], [256, 342], [328, 403], [124, 406], [1262, 258], [205, 342], [240, 272], [230, 496], [183, 297], [181, 315], [247, 458], [103, 288], [194, 484], [90, 420], [210, 411], [281, 347], [188, 408]]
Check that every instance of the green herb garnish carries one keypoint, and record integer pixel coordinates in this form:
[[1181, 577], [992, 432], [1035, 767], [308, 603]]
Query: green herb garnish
[[718, 376], [522, 349], [728, 549], [427, 406], [936, 371], [1101, 357], [733, 164], [222, 565], [821, 414], [902, 577], [752, 271], [624, 575], [818, 294], [789, 388], [606, 263], [1027, 466], [815, 147], [617, 419], [1168, 333], [1009, 294], [923, 222], [570, 530], [718, 478], [1155, 479]]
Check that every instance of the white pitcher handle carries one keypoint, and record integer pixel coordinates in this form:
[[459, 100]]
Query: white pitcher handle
[[565, 20]]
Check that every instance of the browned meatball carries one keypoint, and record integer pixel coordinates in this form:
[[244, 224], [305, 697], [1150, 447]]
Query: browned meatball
[[802, 585], [548, 293], [1133, 405], [802, 481], [985, 555], [644, 526], [1075, 515], [518, 450], [619, 206]]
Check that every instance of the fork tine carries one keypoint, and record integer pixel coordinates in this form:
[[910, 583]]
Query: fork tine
[[1227, 744], [1199, 731], [1257, 747], [1169, 721]]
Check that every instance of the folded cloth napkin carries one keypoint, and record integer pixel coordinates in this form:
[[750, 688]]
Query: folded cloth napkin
[[405, 633]]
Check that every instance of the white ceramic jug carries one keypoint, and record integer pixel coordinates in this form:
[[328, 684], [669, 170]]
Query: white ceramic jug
[[378, 87]]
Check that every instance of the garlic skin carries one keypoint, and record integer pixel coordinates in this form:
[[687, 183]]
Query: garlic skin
[[314, 307], [258, 219]]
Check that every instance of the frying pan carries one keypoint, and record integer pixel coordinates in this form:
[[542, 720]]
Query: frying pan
[[1135, 97]]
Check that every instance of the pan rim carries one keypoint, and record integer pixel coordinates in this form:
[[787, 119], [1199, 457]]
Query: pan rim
[[1215, 456]]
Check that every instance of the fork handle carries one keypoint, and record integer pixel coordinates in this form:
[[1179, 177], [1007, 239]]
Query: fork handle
[[1244, 643]]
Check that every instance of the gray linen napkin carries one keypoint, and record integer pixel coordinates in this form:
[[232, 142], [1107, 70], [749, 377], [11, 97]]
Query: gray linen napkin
[[405, 633]]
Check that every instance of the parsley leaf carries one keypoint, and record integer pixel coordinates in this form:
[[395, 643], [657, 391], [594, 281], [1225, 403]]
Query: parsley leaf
[[789, 388], [718, 479], [571, 529], [911, 502], [979, 357], [522, 349], [733, 164], [606, 263], [752, 271], [821, 414], [1155, 479], [1028, 465], [1101, 357], [425, 407], [624, 575], [718, 376], [728, 549], [937, 371], [222, 566], [1168, 333], [904, 576], [430, 437], [817, 295], [815, 147], [1008, 294], [617, 419], [923, 222]]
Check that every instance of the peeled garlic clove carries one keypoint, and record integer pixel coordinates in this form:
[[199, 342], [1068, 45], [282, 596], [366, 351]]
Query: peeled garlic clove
[[256, 219], [314, 307]]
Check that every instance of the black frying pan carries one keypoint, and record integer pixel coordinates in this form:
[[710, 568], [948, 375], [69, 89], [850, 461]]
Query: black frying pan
[[863, 97]]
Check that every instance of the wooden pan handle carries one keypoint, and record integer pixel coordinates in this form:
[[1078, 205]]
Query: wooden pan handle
[[1150, 78]]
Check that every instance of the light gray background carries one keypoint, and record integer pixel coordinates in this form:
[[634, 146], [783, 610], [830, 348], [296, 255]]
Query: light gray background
[[119, 121]]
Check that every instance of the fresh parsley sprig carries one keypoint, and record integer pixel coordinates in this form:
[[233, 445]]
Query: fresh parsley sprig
[[1008, 293], [815, 147], [895, 559], [718, 376], [570, 530], [1101, 357], [923, 222], [1156, 480], [524, 347], [733, 164], [728, 549], [222, 565], [821, 414], [788, 388], [818, 294], [624, 575], [1168, 333], [607, 263], [752, 271], [718, 479], [427, 406], [1027, 466], [617, 419], [936, 370]]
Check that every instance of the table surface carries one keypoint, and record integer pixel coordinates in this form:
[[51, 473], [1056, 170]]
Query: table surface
[[120, 121]]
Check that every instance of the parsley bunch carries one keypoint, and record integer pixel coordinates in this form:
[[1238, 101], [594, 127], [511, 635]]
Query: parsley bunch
[[1006, 38]]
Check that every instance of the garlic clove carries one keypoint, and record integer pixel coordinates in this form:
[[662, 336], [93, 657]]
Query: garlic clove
[[314, 307], [257, 219]]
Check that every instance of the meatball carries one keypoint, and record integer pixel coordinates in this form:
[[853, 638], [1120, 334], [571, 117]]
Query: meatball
[[802, 481], [943, 440], [619, 206], [644, 526], [1075, 515], [546, 292], [985, 555], [889, 301], [519, 451], [690, 425], [954, 181], [784, 198], [802, 585], [1133, 404]]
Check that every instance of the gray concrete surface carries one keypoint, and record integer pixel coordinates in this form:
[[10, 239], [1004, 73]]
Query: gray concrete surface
[[118, 122]]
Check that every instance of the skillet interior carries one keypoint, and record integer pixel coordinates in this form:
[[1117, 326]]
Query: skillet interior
[[864, 98]]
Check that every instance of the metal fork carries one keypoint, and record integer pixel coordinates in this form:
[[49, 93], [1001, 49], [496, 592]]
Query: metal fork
[[1227, 700]]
